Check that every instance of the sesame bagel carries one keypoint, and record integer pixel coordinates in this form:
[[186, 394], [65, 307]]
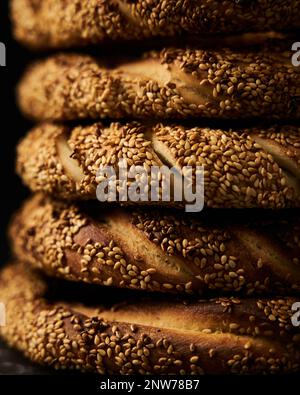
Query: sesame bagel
[[160, 251], [219, 336], [258, 167], [173, 83], [61, 23]]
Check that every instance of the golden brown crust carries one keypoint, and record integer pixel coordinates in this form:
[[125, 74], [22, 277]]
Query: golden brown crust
[[61, 23], [244, 168], [173, 83], [220, 336], [159, 251]]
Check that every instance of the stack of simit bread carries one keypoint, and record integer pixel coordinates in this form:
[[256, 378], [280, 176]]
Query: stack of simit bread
[[228, 103]]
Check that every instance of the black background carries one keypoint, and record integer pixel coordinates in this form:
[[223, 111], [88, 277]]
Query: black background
[[12, 193], [12, 128]]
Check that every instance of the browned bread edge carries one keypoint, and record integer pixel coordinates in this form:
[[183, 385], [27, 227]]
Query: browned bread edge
[[63, 335], [159, 250]]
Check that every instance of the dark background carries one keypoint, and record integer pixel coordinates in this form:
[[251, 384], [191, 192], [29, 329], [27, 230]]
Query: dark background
[[12, 128]]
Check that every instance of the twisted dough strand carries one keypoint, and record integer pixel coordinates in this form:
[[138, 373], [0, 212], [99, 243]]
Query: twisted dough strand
[[220, 336], [256, 167], [173, 83], [158, 250], [61, 23]]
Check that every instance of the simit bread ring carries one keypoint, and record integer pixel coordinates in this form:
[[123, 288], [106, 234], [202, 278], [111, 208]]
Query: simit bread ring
[[219, 336], [173, 83], [61, 23], [160, 251], [258, 167]]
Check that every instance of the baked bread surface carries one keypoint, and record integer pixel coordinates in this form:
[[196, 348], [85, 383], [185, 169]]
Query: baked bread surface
[[244, 168], [61, 23], [168, 84], [158, 250], [220, 336]]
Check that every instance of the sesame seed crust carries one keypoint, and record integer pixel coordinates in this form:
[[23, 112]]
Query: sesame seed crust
[[172, 83], [258, 167], [219, 336], [61, 23], [159, 251]]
